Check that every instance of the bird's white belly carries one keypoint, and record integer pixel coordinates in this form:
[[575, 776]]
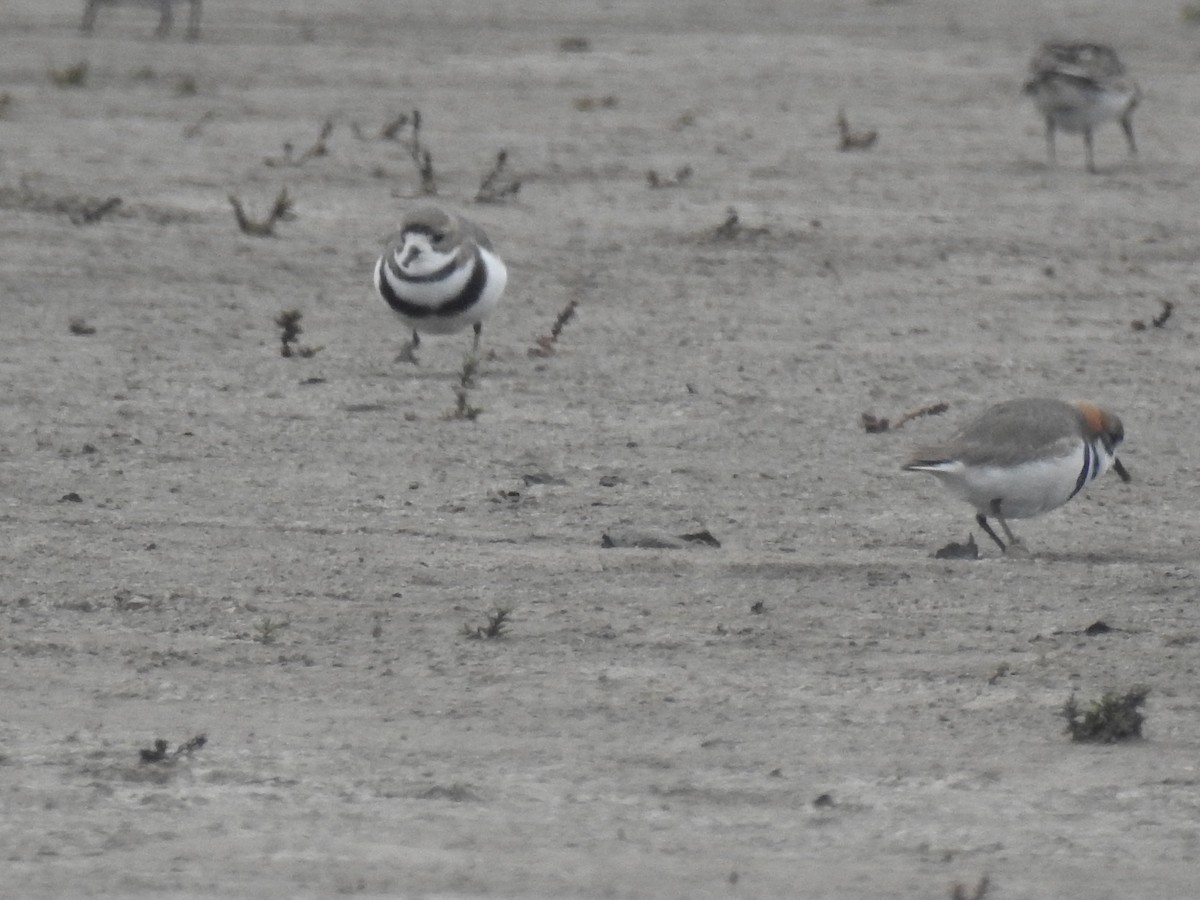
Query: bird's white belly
[[1025, 490], [1075, 109]]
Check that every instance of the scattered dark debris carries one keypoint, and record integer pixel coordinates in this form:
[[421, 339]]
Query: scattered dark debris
[[574, 44], [189, 747], [650, 540], [531, 478], [289, 324], [1002, 671], [955, 550], [319, 148], [365, 407], [496, 625], [1114, 717], [1158, 321], [824, 801], [1097, 627], [681, 177], [159, 752], [457, 792], [732, 228], [79, 325], [5, 102], [93, 211], [960, 891], [875, 425], [70, 76], [588, 103], [853, 140], [545, 344], [704, 537], [70, 497], [758, 607], [281, 211], [493, 188]]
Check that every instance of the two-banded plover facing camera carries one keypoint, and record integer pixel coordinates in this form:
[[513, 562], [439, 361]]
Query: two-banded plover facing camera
[[1022, 458], [1078, 86], [440, 276]]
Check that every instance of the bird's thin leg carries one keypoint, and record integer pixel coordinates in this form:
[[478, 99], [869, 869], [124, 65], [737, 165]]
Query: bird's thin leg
[[1015, 546], [983, 523], [1127, 127], [478, 332], [408, 351], [1012, 538], [1087, 146]]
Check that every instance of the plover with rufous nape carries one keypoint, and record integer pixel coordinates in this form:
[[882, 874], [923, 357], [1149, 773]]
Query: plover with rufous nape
[[1022, 458], [440, 276], [1078, 86]]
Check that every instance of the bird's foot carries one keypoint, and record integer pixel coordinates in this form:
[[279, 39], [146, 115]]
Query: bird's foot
[[1016, 549], [408, 354]]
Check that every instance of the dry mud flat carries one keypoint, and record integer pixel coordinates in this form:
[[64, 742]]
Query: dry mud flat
[[285, 555]]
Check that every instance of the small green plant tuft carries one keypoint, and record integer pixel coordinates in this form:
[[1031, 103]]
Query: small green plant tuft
[[422, 157], [320, 147], [495, 626], [93, 211], [1190, 13], [1114, 717], [848, 139], [281, 211], [496, 185], [264, 631], [71, 76], [545, 344], [462, 391], [289, 325]]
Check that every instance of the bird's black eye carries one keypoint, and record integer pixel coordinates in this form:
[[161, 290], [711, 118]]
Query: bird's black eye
[[439, 236]]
